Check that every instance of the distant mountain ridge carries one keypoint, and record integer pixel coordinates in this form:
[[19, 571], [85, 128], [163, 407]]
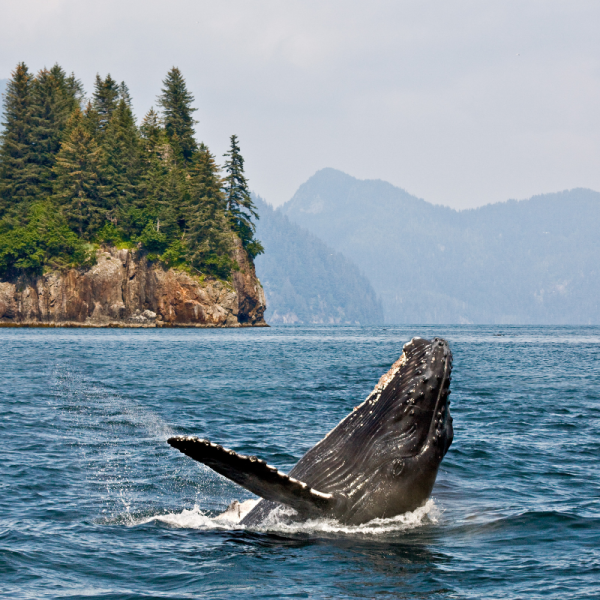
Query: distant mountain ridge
[[532, 261], [306, 281]]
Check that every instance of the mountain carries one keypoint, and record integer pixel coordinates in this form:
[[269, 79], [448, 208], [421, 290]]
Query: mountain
[[306, 281], [533, 261]]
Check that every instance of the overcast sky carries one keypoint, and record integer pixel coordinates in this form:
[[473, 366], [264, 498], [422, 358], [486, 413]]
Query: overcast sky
[[459, 102]]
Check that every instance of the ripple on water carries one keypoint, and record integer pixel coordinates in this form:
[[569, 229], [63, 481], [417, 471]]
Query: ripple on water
[[94, 503]]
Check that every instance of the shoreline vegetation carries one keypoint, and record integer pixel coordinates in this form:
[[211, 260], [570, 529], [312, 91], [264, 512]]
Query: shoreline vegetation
[[79, 176], [104, 221]]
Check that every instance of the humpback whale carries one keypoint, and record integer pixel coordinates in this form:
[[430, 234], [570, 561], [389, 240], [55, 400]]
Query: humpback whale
[[378, 462]]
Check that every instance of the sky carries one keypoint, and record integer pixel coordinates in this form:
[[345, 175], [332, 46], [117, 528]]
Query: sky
[[460, 102]]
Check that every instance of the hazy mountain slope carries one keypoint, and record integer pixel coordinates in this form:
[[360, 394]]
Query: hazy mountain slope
[[531, 261], [305, 281]]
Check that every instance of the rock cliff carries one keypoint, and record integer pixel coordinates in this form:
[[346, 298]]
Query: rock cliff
[[124, 289]]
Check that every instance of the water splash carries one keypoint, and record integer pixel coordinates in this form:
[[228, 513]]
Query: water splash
[[113, 435], [195, 518]]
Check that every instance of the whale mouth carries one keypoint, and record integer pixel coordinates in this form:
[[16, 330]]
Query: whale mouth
[[428, 368], [440, 429]]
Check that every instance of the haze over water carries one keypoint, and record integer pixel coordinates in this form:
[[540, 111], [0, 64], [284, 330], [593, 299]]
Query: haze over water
[[95, 504]]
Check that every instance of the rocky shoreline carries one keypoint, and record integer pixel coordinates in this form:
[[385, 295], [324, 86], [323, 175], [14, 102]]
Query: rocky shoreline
[[124, 289]]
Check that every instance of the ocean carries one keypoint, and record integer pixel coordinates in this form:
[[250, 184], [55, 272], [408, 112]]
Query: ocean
[[95, 504]]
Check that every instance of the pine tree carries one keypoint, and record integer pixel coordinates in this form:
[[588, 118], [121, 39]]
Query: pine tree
[[120, 166], [176, 102], [124, 94], [52, 101], [17, 189], [161, 188], [105, 100], [208, 232], [161, 177], [239, 202], [151, 131], [77, 187], [74, 91]]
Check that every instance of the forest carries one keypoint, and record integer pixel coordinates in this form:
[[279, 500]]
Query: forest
[[77, 172]]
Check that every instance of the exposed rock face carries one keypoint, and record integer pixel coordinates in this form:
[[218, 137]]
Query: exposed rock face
[[124, 289]]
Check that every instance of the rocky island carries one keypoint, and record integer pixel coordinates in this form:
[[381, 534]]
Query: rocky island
[[107, 223]]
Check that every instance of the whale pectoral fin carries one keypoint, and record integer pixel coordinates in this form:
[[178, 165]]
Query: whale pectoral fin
[[255, 475]]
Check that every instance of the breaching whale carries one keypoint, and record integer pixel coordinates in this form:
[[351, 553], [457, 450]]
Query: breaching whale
[[378, 462]]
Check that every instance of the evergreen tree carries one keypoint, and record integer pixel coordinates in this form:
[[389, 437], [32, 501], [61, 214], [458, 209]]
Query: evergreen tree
[[239, 202], [176, 102], [209, 241], [160, 183], [124, 94], [77, 187], [91, 120], [151, 131], [156, 214], [120, 165], [74, 91], [17, 187], [105, 100], [52, 101]]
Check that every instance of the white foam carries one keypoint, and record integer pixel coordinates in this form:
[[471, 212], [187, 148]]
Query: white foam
[[277, 523], [186, 519]]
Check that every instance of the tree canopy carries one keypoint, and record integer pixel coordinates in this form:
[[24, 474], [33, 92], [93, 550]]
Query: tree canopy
[[97, 177]]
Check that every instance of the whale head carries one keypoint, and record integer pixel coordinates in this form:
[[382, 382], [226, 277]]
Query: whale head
[[382, 459]]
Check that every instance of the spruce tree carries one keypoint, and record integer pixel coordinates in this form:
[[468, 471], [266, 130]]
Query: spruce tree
[[77, 187], [208, 232], [124, 94], [151, 131], [51, 104], [105, 100], [176, 103], [239, 202], [17, 187], [74, 92], [161, 187], [120, 165]]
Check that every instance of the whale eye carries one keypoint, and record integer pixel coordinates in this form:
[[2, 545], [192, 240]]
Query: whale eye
[[397, 467]]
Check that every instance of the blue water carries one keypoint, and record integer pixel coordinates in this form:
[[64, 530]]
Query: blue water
[[95, 504]]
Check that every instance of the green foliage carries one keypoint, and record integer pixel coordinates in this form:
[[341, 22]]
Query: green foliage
[[238, 199], [53, 98], [152, 239], [105, 99], [120, 166], [208, 235], [176, 102], [111, 181], [109, 234], [174, 255], [45, 239], [15, 149], [78, 188]]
